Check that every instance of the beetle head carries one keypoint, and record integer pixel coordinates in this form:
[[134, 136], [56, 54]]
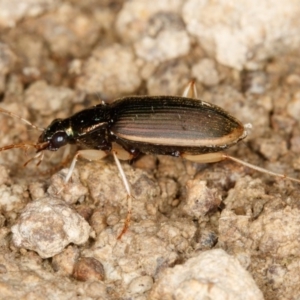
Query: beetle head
[[55, 136]]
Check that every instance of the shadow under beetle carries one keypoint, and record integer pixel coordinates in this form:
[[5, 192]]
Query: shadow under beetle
[[178, 126]]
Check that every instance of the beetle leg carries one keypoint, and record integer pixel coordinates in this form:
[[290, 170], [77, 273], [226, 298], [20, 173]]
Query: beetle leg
[[87, 154], [128, 190], [118, 153], [121, 153], [190, 90], [218, 156], [205, 158], [39, 155], [259, 169]]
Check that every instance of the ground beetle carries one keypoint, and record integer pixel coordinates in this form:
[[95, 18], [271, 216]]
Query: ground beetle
[[178, 126]]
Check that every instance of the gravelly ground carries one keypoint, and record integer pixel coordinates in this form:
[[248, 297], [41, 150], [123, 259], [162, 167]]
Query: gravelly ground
[[217, 230]]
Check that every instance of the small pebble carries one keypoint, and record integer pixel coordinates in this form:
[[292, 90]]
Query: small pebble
[[88, 268], [141, 284]]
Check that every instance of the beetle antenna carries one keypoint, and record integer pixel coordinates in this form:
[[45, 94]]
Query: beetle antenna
[[11, 114], [259, 169], [24, 146], [39, 147]]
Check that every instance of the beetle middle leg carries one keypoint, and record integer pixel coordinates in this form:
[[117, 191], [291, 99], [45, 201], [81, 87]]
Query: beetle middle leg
[[190, 90], [129, 195], [119, 154]]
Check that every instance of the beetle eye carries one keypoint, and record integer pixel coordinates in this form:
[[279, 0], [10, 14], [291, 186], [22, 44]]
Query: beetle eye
[[59, 139]]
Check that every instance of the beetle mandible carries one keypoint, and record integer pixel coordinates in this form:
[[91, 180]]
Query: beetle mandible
[[169, 125]]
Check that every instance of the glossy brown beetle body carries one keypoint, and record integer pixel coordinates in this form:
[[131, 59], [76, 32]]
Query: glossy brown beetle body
[[153, 125]]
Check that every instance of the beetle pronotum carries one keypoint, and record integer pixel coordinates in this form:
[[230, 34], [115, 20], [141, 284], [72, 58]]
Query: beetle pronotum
[[179, 126]]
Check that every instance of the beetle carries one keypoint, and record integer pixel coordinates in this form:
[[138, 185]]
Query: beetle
[[169, 125]]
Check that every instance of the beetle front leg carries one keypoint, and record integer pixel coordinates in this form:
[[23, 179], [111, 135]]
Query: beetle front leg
[[87, 154]]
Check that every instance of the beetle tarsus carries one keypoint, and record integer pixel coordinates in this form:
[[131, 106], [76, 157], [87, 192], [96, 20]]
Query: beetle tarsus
[[126, 224], [129, 194], [259, 169]]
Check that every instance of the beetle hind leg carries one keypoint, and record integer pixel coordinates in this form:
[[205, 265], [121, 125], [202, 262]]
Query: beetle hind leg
[[205, 158], [218, 156], [259, 169]]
